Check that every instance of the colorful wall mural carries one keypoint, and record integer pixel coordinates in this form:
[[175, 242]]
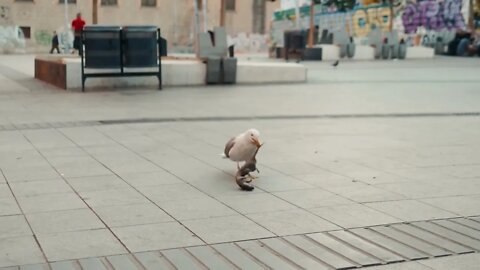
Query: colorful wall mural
[[412, 19], [433, 15]]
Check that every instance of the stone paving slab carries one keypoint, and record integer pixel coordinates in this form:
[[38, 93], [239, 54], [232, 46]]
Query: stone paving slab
[[345, 249], [366, 149]]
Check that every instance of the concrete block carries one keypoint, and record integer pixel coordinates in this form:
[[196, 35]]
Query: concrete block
[[230, 70], [214, 71], [420, 52], [186, 73], [179, 73], [207, 49], [51, 71], [256, 72], [329, 52]]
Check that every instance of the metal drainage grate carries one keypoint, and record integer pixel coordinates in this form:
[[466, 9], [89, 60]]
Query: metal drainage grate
[[31, 126], [228, 118], [346, 249]]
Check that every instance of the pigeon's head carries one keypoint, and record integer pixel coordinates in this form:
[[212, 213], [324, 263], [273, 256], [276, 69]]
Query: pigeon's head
[[254, 136]]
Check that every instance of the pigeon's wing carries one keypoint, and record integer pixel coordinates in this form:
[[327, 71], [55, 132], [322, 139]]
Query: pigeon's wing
[[229, 146]]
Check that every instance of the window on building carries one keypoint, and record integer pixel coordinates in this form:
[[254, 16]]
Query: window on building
[[200, 4], [26, 31], [68, 1], [149, 3], [230, 5], [109, 2]]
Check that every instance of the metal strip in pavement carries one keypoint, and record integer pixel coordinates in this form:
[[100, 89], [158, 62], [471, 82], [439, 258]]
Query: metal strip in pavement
[[311, 247], [345, 249], [467, 222], [361, 258], [405, 239], [182, 260], [123, 262], [92, 263], [472, 233], [285, 117], [477, 219], [153, 260], [69, 265], [210, 258], [404, 250], [449, 234], [30, 126], [272, 260], [432, 238], [294, 254], [234, 254], [370, 248], [35, 267]]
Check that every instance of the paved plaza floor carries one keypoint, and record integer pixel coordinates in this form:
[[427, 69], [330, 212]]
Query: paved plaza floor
[[372, 164]]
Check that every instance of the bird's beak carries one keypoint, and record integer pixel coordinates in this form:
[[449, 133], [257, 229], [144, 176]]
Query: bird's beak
[[256, 142]]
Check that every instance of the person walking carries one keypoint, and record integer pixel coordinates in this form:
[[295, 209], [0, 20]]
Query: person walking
[[77, 25], [55, 43]]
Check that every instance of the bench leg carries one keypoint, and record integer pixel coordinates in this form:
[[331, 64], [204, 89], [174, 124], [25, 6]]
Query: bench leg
[[83, 83]]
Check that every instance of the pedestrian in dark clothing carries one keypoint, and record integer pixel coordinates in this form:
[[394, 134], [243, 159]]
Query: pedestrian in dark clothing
[[55, 43]]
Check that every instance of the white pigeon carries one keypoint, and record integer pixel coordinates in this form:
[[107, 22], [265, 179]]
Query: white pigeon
[[243, 147]]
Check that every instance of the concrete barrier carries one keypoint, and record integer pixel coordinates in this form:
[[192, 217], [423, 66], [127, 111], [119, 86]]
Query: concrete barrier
[[272, 72], [418, 52], [174, 73], [329, 51], [363, 52]]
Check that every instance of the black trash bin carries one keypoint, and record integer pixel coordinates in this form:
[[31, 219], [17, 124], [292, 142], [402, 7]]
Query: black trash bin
[[140, 46], [294, 43], [101, 46]]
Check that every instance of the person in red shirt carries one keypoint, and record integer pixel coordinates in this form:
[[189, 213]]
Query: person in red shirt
[[77, 25]]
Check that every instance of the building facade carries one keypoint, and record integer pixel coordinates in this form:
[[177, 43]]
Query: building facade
[[37, 19]]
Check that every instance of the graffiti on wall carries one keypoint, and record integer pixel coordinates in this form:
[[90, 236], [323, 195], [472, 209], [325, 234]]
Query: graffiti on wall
[[43, 37], [366, 19], [414, 20], [4, 15], [433, 15], [11, 39], [251, 43]]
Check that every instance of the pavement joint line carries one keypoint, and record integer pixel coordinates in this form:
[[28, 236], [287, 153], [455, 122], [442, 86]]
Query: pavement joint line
[[311, 240], [245, 252], [129, 184], [36, 126], [366, 253], [186, 182], [273, 254], [313, 81], [396, 240], [76, 192], [274, 251], [415, 224], [24, 216], [423, 240]]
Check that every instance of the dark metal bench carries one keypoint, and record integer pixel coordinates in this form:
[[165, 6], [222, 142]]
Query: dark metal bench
[[119, 48]]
